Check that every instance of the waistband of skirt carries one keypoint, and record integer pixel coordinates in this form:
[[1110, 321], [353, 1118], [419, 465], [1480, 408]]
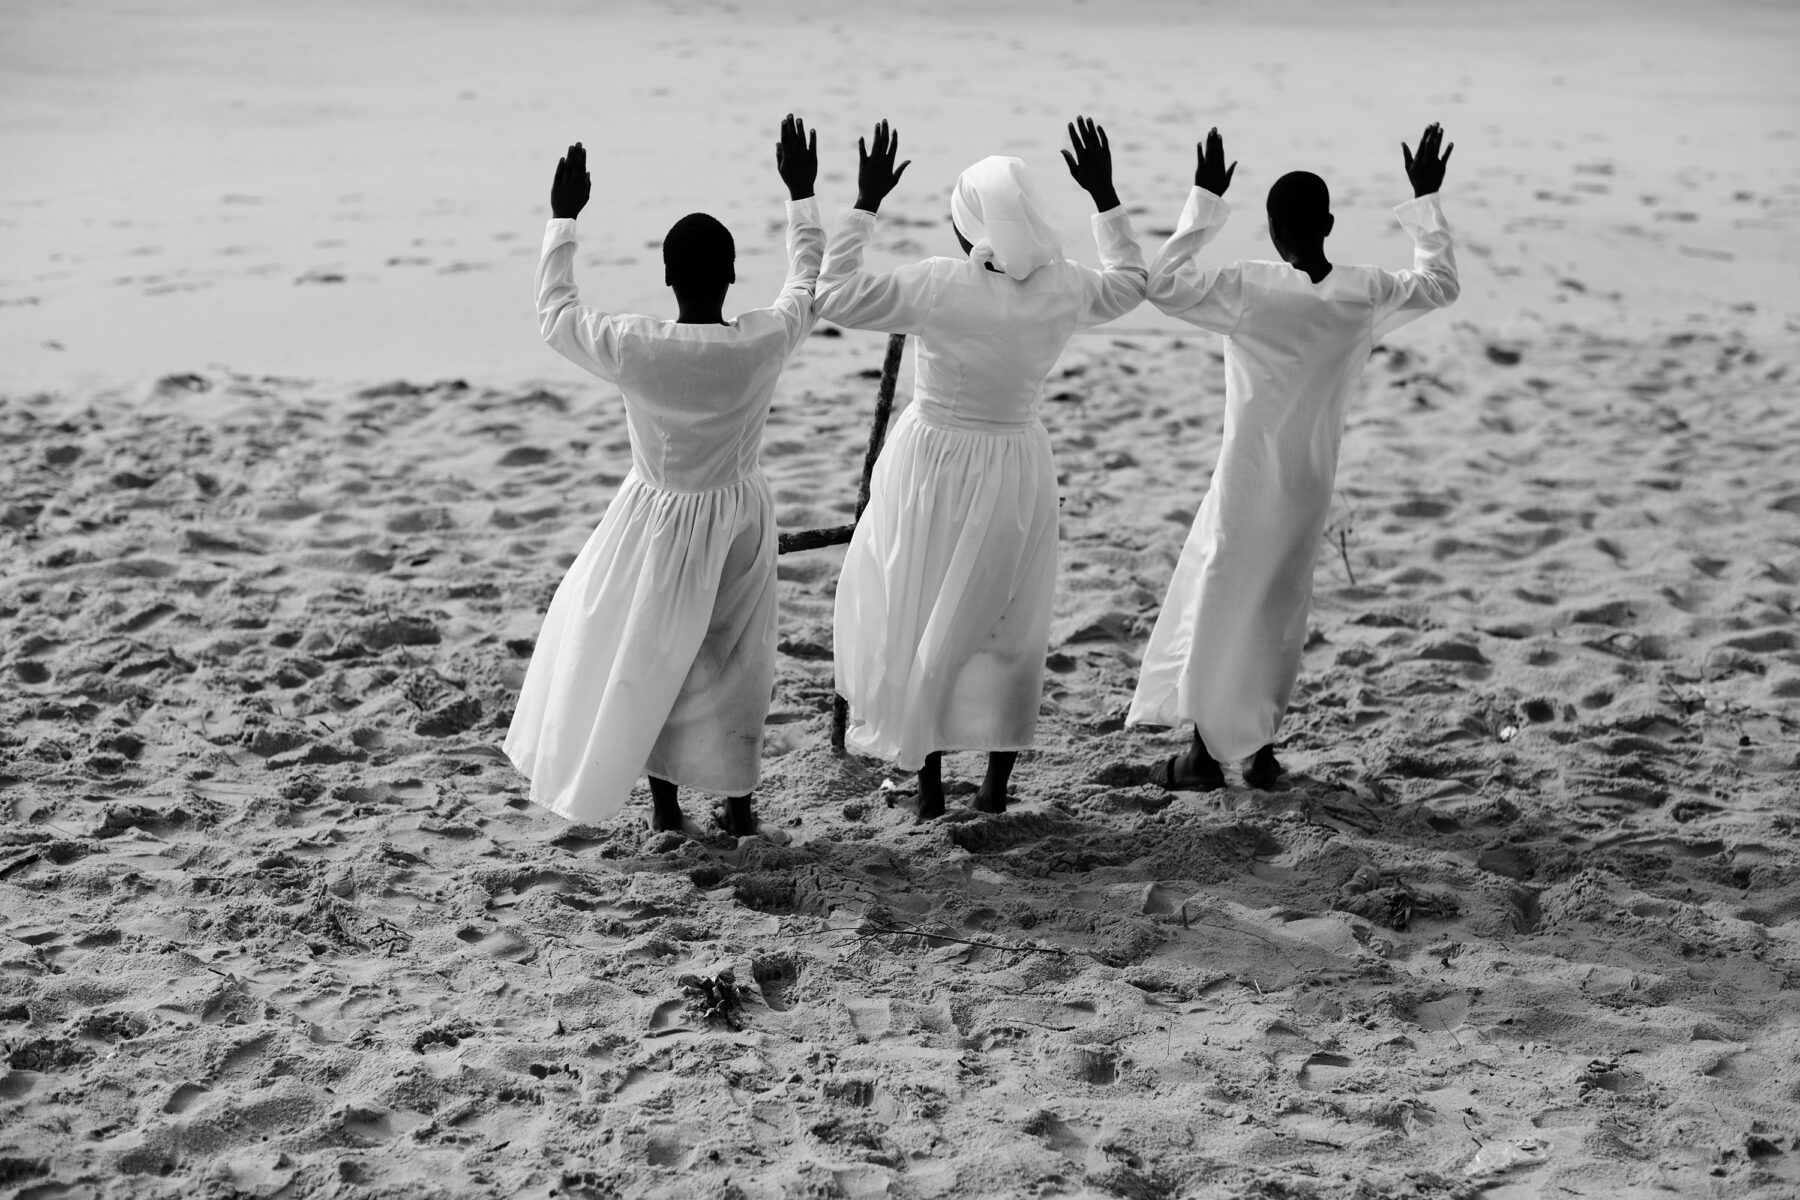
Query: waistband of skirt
[[951, 424], [756, 478]]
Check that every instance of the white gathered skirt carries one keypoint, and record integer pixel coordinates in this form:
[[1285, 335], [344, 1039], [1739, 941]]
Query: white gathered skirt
[[657, 654], [943, 608]]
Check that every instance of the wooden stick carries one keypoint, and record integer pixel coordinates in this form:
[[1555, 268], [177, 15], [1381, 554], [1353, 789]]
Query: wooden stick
[[813, 539]]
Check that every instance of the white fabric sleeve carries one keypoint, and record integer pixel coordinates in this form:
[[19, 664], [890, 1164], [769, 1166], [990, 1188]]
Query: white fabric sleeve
[[896, 302], [586, 337], [805, 250], [1403, 296], [1212, 299], [1122, 280]]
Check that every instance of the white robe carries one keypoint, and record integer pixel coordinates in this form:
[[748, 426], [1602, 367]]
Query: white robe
[[658, 651], [943, 608], [1226, 647]]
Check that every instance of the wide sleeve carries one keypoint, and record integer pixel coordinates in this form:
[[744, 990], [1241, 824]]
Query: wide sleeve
[[1120, 283], [586, 337], [805, 250], [1403, 296], [1212, 299], [895, 302]]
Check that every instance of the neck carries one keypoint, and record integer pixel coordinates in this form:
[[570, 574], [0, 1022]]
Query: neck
[[703, 315], [1310, 259]]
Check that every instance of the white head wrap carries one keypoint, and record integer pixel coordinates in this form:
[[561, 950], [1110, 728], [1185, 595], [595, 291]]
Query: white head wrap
[[997, 208]]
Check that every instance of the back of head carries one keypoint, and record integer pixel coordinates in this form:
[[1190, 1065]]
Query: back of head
[[1300, 207], [997, 208], [698, 254]]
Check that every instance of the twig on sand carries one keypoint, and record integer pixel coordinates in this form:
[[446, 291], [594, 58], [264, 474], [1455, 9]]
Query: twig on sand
[[1339, 536], [915, 931]]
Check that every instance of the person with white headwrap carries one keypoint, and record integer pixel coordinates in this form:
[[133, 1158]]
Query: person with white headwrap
[[943, 608]]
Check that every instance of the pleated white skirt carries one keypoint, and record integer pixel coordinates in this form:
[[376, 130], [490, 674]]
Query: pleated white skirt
[[943, 608], [657, 654]]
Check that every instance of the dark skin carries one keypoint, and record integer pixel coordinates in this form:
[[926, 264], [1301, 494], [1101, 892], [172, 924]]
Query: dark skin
[[1090, 164], [699, 302], [1196, 769], [797, 161]]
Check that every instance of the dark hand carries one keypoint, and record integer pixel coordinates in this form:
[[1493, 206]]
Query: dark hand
[[876, 174], [1426, 168], [797, 157], [569, 191], [1210, 171], [1091, 164]]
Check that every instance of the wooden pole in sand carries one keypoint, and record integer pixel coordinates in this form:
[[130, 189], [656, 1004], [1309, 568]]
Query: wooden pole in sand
[[837, 535]]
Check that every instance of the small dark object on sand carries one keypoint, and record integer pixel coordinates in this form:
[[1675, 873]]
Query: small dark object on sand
[[715, 997]]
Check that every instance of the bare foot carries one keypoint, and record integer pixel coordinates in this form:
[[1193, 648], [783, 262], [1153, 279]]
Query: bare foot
[[737, 817], [1264, 769], [1194, 771], [991, 797]]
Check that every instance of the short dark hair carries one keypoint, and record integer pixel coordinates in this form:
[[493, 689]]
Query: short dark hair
[[1299, 204], [699, 251]]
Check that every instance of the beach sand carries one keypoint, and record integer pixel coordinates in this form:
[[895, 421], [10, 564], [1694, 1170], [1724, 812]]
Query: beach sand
[[289, 479]]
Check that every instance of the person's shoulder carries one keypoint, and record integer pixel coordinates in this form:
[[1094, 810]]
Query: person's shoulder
[[756, 324], [640, 325]]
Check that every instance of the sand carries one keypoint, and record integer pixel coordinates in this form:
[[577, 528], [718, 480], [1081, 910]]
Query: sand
[[279, 522]]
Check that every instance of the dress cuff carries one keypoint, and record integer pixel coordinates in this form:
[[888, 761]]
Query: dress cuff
[[557, 231], [803, 212], [1204, 208], [1422, 211], [858, 216]]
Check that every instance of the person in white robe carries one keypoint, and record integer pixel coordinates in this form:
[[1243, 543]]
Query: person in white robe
[[942, 620], [657, 654], [1226, 647]]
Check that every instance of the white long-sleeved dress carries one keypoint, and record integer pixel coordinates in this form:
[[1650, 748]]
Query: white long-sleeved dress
[[1226, 647], [658, 651], [943, 608]]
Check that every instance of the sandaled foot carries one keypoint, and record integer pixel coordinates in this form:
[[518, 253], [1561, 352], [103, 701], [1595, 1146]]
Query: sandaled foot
[[1175, 776], [1264, 769]]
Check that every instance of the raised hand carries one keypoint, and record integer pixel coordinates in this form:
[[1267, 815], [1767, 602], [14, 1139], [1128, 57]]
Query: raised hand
[[1210, 171], [569, 190], [1091, 163], [1426, 168], [876, 174], [797, 157]]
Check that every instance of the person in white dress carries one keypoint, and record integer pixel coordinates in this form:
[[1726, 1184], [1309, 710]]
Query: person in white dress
[[1225, 650], [657, 654], [943, 608]]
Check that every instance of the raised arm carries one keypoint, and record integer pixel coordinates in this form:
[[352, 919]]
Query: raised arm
[[1405, 296], [586, 337], [1119, 285], [1212, 299], [895, 302], [797, 159]]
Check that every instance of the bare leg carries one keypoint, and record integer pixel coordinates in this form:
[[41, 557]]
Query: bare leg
[[665, 812], [931, 787], [1264, 769], [991, 798]]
